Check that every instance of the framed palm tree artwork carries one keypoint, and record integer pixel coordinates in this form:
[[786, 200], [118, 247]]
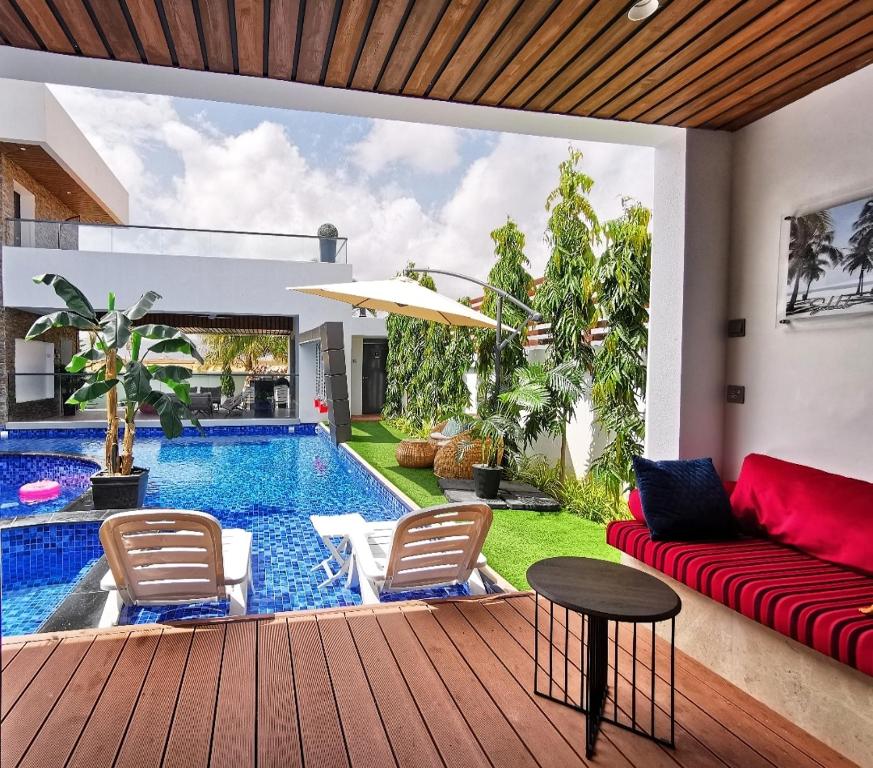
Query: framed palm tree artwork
[[828, 268]]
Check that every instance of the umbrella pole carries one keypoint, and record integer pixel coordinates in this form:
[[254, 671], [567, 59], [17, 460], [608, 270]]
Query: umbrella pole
[[498, 350]]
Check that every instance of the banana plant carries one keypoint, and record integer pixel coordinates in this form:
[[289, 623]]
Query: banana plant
[[114, 356]]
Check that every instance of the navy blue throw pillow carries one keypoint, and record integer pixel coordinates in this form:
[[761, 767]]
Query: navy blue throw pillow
[[683, 500]]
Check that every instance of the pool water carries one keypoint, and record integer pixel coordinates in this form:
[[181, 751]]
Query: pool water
[[18, 469], [268, 483]]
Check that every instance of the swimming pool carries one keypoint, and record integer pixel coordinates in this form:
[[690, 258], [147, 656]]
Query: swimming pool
[[264, 479], [16, 469]]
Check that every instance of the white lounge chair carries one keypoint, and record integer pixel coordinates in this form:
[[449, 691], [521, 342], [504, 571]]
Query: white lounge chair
[[436, 547], [169, 556]]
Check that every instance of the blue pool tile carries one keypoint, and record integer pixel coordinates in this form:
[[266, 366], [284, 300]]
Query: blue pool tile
[[267, 480]]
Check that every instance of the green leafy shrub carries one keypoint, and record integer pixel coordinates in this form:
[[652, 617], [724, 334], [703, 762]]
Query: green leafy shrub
[[409, 428], [588, 497]]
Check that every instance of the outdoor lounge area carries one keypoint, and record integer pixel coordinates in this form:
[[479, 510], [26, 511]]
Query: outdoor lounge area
[[436, 383]]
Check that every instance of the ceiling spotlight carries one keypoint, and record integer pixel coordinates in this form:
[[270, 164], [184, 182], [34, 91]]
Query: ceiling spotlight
[[642, 10], [23, 149]]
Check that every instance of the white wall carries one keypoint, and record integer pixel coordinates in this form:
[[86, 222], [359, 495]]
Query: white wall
[[690, 248], [32, 115], [809, 388]]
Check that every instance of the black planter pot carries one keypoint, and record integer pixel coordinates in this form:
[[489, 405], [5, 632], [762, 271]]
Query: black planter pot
[[327, 250], [119, 491], [486, 481]]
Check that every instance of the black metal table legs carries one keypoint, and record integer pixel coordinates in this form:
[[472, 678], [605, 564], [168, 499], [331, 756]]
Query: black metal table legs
[[595, 680], [621, 700]]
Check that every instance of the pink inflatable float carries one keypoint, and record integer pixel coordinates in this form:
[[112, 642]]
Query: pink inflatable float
[[41, 490]]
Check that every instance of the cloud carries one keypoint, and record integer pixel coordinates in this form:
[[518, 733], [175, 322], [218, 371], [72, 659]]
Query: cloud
[[188, 173], [423, 148]]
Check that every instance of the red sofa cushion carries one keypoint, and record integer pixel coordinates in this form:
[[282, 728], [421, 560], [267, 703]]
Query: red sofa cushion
[[798, 595], [636, 506], [825, 515]]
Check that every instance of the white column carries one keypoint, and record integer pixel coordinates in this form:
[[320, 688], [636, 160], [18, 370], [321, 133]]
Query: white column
[[687, 330]]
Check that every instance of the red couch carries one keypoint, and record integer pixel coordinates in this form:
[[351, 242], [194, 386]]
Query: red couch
[[802, 566]]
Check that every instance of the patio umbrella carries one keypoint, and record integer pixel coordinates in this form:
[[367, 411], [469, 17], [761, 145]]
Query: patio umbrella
[[401, 296]]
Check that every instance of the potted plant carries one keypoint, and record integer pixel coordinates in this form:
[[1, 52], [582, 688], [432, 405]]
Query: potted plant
[[497, 432], [327, 234], [114, 356]]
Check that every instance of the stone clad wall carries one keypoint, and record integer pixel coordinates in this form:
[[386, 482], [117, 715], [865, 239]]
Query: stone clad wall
[[15, 323]]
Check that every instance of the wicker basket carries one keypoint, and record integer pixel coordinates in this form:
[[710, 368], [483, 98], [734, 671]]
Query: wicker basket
[[448, 464], [415, 453]]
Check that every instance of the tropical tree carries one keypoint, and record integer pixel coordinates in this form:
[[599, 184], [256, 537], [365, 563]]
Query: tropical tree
[[567, 296], [426, 366], [860, 257], [226, 350], [509, 274], [112, 337], [619, 371], [812, 239]]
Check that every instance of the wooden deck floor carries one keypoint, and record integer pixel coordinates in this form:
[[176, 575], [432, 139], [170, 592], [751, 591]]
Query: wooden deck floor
[[444, 684]]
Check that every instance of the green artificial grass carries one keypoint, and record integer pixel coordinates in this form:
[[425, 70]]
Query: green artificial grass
[[518, 538]]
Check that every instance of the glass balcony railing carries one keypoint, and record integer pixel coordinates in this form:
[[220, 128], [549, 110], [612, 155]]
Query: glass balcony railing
[[170, 241]]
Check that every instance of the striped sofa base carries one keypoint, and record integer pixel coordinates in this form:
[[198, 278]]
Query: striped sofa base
[[811, 601], [828, 699]]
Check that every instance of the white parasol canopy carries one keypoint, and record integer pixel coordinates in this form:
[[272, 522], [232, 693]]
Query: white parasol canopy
[[401, 296]]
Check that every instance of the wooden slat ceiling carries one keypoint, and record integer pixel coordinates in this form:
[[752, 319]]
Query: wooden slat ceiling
[[694, 63], [45, 169]]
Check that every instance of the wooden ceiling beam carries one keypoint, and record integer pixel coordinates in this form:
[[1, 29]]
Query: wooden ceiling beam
[[852, 42], [443, 42], [792, 53], [788, 25], [14, 29], [144, 14], [478, 40], [694, 63], [284, 16], [607, 55], [420, 25]]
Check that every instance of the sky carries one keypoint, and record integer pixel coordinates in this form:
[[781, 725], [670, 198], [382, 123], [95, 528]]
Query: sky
[[398, 191]]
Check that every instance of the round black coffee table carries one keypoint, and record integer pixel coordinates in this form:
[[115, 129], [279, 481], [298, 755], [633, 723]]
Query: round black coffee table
[[601, 592]]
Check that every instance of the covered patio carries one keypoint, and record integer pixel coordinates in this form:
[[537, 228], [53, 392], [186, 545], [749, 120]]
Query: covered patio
[[755, 112], [447, 683]]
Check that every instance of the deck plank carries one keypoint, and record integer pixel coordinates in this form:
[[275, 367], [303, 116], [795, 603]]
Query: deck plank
[[278, 737], [60, 732], [320, 731], [407, 731], [365, 735], [8, 652], [102, 736], [447, 683], [450, 730], [490, 725], [545, 742], [190, 737], [21, 670], [233, 739], [27, 716], [146, 735]]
